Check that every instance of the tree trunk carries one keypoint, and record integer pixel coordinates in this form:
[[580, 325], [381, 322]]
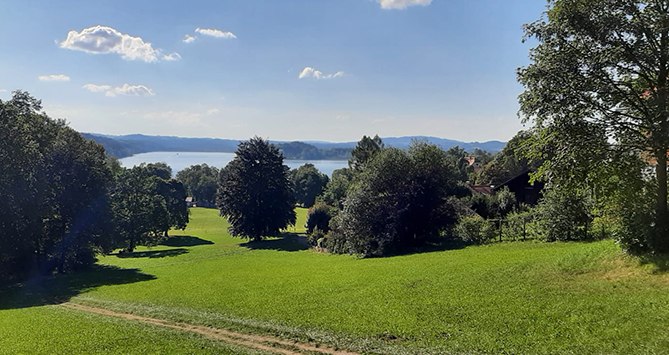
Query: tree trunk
[[661, 215]]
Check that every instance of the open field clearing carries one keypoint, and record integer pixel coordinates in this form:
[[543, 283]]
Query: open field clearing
[[522, 297]]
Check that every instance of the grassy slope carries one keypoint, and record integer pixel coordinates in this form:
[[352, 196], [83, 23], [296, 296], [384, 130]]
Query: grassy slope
[[59, 330], [513, 297]]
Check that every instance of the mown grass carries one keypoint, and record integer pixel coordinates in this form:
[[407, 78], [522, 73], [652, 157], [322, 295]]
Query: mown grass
[[59, 330], [519, 298]]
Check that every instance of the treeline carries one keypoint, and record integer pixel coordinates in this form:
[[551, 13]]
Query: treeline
[[126, 146], [392, 201], [63, 200]]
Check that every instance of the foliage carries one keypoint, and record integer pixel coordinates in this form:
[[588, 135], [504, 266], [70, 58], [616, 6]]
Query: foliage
[[565, 213], [140, 212], [308, 183], [596, 90], [493, 206], [53, 193], [364, 151], [335, 191], [509, 163], [318, 218], [161, 170], [200, 181], [398, 201], [475, 230], [255, 193], [304, 151]]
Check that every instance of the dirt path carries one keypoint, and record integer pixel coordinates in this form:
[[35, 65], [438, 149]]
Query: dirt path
[[259, 342]]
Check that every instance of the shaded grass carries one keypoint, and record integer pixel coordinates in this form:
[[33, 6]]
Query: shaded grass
[[521, 297]]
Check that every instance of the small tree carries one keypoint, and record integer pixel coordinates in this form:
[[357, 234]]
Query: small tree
[[564, 213], [256, 194], [309, 183]]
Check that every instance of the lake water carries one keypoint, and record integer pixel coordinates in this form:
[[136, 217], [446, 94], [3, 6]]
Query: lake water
[[181, 160]]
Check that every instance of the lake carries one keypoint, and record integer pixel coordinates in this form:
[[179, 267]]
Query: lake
[[181, 160]]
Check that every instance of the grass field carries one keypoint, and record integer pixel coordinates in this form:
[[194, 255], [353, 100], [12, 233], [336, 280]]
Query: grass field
[[521, 297]]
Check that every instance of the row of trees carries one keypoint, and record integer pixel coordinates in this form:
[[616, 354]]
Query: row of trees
[[63, 201]]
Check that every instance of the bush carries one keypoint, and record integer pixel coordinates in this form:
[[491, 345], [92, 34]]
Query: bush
[[475, 230], [564, 214], [318, 217]]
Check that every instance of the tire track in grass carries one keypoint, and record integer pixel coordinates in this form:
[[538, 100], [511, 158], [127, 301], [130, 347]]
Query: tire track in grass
[[260, 342]]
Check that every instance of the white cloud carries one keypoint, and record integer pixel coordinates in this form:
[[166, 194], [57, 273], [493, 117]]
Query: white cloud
[[3, 90], [102, 39], [215, 33], [189, 39], [213, 111], [172, 57], [402, 4], [54, 77], [129, 90], [96, 88], [309, 72]]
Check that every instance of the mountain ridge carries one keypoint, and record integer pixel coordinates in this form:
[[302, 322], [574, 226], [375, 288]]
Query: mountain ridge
[[122, 146]]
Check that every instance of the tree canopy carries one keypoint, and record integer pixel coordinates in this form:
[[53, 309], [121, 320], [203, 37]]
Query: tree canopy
[[308, 183], [53, 193], [597, 92], [256, 194], [397, 202], [201, 182]]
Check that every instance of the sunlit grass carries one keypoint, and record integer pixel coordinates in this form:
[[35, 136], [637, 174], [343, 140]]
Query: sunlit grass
[[522, 297]]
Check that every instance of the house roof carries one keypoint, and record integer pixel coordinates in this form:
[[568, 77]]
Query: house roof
[[481, 189]]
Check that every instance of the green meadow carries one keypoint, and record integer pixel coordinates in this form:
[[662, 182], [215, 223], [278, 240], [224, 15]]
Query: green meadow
[[513, 298]]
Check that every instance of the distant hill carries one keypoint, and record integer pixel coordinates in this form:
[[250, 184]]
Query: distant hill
[[127, 145], [404, 142]]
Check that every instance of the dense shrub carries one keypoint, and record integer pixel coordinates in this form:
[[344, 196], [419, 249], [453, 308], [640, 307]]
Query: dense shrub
[[475, 230], [318, 217]]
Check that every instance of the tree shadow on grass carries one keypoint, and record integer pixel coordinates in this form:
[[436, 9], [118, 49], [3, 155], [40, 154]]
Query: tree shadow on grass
[[185, 241], [56, 289], [152, 253], [659, 262], [287, 242]]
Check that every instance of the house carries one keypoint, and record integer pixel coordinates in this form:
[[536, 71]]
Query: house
[[189, 201], [525, 192]]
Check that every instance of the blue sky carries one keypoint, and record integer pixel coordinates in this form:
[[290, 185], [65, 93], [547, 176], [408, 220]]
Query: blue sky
[[285, 70]]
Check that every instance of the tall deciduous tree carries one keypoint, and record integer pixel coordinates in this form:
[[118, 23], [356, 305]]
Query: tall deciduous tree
[[598, 88], [399, 201], [256, 194], [53, 193]]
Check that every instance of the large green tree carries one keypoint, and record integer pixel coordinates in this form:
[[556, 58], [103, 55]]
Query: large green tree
[[256, 194], [53, 193], [399, 201], [597, 91]]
